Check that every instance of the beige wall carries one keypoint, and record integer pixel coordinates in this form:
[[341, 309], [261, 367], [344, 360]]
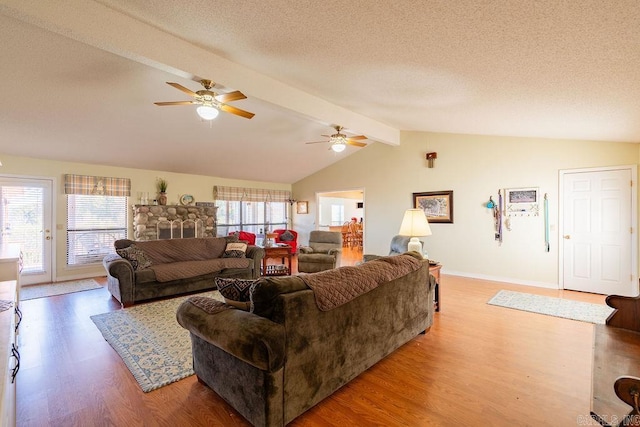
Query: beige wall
[[201, 187], [474, 167]]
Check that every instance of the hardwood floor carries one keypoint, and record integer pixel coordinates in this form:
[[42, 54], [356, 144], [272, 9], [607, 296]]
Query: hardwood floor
[[478, 365]]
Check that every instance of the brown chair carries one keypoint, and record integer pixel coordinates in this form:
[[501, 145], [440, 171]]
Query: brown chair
[[346, 234], [323, 252], [356, 235]]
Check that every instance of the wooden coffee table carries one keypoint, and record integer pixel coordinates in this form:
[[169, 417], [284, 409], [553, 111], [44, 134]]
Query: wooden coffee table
[[276, 252]]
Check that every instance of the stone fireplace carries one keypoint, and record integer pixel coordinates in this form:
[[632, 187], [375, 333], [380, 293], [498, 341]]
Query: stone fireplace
[[153, 222]]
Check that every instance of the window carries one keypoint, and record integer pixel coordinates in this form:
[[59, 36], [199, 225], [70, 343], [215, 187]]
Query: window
[[253, 210], [93, 224], [337, 214], [253, 217]]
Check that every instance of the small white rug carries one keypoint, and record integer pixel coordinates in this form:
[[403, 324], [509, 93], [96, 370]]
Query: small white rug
[[151, 342], [52, 289], [558, 307]]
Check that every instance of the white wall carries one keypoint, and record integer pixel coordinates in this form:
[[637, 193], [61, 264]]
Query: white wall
[[474, 167], [349, 205], [201, 187]]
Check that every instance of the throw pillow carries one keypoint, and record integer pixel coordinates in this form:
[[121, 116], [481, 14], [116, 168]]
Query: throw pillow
[[236, 292], [287, 236], [235, 250], [135, 256]]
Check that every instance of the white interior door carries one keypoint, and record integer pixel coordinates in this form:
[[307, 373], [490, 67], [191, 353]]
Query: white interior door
[[25, 219], [597, 232]]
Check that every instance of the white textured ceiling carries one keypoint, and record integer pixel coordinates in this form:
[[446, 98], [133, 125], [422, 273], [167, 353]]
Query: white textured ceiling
[[547, 68]]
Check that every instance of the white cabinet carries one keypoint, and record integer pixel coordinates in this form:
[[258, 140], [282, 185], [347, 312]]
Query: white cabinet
[[10, 266]]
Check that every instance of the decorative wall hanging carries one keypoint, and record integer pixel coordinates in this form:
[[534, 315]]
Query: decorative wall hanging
[[430, 158], [497, 219], [521, 201], [490, 204], [437, 205], [302, 207], [547, 246]]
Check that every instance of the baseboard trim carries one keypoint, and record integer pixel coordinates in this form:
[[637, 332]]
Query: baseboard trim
[[80, 276], [502, 279]]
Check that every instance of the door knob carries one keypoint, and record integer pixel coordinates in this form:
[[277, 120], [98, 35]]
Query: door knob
[[48, 237], [567, 236]]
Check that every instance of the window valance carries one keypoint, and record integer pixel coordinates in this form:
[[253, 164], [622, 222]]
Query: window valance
[[221, 192], [97, 185]]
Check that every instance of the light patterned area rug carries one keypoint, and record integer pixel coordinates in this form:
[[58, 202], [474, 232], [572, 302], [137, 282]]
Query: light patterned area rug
[[558, 307], [151, 342], [61, 288]]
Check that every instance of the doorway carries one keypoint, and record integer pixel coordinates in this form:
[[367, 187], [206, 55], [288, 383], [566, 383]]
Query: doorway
[[335, 208], [598, 245], [25, 219]]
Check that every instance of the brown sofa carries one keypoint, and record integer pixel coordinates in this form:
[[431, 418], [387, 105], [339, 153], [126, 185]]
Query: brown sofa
[[178, 266], [297, 345]]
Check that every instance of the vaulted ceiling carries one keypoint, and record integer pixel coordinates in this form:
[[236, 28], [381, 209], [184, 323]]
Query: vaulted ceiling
[[78, 78]]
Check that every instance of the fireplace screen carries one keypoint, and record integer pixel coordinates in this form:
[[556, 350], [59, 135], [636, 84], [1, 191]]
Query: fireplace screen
[[179, 229]]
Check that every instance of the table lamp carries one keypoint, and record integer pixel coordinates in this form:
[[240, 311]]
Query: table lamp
[[415, 224]]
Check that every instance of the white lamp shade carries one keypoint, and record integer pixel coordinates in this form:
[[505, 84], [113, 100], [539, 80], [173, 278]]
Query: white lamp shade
[[338, 147], [414, 224], [207, 112]]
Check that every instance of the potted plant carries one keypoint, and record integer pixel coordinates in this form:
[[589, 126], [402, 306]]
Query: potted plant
[[162, 190]]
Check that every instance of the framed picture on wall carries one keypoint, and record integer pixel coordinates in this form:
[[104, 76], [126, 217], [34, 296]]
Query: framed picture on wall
[[437, 205], [302, 207]]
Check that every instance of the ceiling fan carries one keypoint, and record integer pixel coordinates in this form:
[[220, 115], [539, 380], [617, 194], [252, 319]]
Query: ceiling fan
[[210, 103], [339, 141]]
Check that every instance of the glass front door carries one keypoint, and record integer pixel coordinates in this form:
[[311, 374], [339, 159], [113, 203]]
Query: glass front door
[[25, 219]]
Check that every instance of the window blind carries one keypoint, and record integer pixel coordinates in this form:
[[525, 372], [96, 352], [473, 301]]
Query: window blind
[[93, 224], [250, 209], [22, 222]]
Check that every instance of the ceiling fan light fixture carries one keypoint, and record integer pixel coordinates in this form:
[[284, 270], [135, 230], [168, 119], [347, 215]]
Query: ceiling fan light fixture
[[338, 142], [207, 112], [338, 146]]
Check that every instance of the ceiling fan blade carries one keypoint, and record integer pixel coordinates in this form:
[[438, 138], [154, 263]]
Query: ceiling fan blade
[[162, 104], [355, 143], [182, 88], [357, 137], [231, 96], [315, 142], [236, 111]]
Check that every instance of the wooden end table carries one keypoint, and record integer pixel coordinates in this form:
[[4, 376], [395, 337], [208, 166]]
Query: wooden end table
[[276, 252], [434, 269]]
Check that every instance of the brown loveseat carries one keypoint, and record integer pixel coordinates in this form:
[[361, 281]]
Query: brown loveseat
[[297, 345], [177, 266]]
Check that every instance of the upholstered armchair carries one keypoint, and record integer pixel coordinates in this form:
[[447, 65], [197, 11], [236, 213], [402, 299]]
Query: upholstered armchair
[[290, 238], [398, 246], [323, 252], [250, 238]]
